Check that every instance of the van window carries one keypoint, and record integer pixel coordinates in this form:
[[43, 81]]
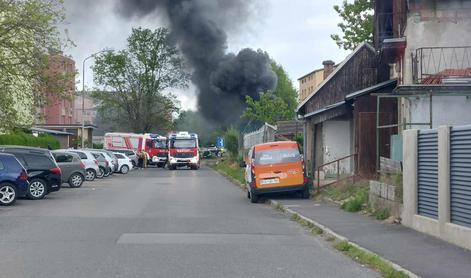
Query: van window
[[276, 156]]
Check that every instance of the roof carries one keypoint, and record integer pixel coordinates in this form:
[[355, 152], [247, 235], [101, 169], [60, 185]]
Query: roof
[[325, 109], [435, 89], [50, 131], [312, 72], [66, 126], [449, 76], [379, 86], [337, 69], [269, 145], [288, 127]]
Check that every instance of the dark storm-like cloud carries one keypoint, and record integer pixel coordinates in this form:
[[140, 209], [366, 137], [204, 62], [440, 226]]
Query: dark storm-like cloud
[[199, 28]]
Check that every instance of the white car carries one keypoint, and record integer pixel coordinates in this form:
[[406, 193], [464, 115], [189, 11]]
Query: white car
[[124, 163], [91, 164]]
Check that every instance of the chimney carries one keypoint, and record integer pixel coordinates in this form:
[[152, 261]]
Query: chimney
[[328, 67]]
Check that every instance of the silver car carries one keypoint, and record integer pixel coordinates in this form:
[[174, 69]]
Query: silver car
[[72, 168]]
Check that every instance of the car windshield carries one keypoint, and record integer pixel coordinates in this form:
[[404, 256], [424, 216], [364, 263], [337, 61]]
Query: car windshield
[[277, 156], [183, 144]]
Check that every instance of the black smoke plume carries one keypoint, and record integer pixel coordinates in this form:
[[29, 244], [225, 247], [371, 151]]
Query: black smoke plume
[[198, 27]]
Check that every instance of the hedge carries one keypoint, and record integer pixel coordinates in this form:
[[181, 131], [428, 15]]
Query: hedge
[[23, 139]]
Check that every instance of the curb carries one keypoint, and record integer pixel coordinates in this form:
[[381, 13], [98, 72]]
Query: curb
[[324, 229], [331, 233]]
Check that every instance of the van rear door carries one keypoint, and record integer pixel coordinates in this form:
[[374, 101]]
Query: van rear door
[[278, 167]]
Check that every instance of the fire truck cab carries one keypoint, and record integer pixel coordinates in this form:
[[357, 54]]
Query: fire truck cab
[[154, 145], [183, 150]]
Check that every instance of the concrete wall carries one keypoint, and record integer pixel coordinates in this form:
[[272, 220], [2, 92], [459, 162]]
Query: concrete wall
[[458, 111], [441, 23], [442, 227]]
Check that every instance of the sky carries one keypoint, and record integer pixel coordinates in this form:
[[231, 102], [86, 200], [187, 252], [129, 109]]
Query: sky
[[295, 33]]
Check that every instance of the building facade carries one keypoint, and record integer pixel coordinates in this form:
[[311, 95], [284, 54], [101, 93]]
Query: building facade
[[59, 90], [309, 82]]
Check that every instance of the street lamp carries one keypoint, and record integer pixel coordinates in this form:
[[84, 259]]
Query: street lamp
[[83, 93]]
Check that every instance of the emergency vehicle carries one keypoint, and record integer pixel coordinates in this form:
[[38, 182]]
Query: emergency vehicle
[[153, 144], [183, 150]]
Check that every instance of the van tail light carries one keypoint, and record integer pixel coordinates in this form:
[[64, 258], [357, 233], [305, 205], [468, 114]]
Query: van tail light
[[306, 179], [56, 170], [23, 175], [82, 165], [95, 161]]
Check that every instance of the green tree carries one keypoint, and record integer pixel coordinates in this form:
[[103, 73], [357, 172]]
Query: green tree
[[274, 106], [28, 32], [137, 78], [357, 23]]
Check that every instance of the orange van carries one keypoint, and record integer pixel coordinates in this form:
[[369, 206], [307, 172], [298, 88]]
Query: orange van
[[275, 167]]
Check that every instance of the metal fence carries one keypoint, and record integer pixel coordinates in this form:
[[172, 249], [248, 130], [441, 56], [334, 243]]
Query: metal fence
[[460, 175], [263, 135], [427, 176]]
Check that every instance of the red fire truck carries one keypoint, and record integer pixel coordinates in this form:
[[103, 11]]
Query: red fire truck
[[153, 144], [183, 151]]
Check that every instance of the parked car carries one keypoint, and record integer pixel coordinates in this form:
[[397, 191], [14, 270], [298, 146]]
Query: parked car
[[44, 175], [72, 167], [275, 167], [111, 161], [131, 154], [91, 164], [13, 179], [124, 163], [103, 164], [114, 160]]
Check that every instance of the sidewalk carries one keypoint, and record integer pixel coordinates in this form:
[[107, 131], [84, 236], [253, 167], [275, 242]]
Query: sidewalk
[[421, 254]]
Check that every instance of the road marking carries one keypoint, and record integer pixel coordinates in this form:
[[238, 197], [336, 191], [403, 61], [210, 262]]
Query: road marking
[[203, 238]]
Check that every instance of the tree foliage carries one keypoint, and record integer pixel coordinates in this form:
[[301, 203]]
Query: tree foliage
[[357, 23], [136, 80], [276, 105], [28, 32]]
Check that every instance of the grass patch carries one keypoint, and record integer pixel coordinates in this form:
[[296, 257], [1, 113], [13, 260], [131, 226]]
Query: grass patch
[[371, 260], [352, 196], [231, 169], [381, 214]]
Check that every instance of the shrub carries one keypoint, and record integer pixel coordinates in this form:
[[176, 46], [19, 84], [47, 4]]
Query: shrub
[[23, 139], [231, 141], [98, 145]]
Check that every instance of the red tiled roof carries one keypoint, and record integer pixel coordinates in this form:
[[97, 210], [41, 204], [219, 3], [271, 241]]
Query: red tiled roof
[[448, 73]]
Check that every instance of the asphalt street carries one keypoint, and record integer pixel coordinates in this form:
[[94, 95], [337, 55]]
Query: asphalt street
[[160, 223]]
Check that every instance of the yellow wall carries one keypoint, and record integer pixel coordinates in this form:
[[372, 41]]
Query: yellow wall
[[309, 83]]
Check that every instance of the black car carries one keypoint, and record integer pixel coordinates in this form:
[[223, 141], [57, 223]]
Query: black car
[[43, 173]]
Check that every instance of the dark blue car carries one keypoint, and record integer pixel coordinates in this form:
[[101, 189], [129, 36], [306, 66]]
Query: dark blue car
[[13, 179]]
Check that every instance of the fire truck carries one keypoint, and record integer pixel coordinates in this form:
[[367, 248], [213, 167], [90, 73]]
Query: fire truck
[[153, 144], [183, 150]]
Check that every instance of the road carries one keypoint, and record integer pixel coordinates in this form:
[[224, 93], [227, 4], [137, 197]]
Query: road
[[160, 223]]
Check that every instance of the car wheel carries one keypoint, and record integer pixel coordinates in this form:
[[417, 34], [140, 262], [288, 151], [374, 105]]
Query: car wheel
[[7, 194], [253, 198], [101, 173], [76, 180], [90, 175], [37, 189], [124, 169]]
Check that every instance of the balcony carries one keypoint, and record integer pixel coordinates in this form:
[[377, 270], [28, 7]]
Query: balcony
[[389, 26], [442, 65]]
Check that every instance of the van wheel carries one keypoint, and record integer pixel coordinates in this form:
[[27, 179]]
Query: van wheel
[[254, 198], [37, 189], [305, 194], [90, 175], [7, 194], [76, 180]]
